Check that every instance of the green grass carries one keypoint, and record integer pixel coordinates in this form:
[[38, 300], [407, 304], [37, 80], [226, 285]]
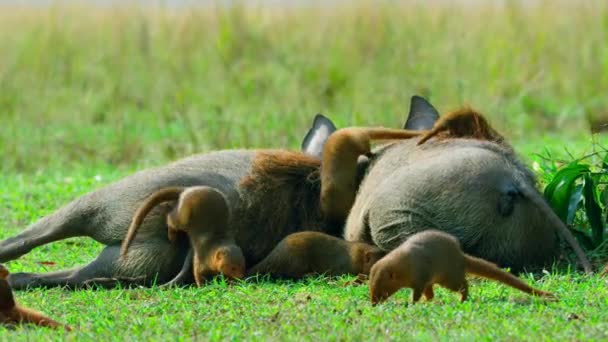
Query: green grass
[[311, 309], [87, 97], [137, 86]]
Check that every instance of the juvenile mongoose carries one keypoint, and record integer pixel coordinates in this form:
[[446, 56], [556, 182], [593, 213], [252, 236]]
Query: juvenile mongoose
[[304, 253], [203, 213], [434, 257], [340, 171], [13, 313]]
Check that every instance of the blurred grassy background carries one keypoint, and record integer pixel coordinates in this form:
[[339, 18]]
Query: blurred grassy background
[[90, 93], [130, 86]]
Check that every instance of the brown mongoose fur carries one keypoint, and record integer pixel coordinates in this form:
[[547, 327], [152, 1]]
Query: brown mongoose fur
[[203, 213], [13, 313], [463, 123], [339, 172], [305, 253], [434, 257]]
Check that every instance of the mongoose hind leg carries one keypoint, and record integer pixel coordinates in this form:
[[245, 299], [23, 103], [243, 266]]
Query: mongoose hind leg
[[458, 284], [464, 291], [417, 294], [428, 292]]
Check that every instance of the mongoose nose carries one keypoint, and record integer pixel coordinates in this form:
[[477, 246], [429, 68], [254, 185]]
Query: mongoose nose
[[377, 299]]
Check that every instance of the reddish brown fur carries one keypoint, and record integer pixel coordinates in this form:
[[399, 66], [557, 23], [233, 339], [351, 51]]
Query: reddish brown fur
[[307, 252], [12, 313], [291, 180], [463, 123], [224, 258], [203, 213], [434, 257], [274, 167]]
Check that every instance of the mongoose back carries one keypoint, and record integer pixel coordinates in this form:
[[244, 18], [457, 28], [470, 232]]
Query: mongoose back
[[305, 253], [13, 313], [434, 257], [204, 214]]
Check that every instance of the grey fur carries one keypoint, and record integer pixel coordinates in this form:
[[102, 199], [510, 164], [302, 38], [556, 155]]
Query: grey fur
[[476, 190], [261, 219], [459, 186]]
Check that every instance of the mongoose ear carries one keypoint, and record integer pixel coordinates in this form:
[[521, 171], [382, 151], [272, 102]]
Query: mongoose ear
[[183, 211], [317, 135], [3, 272], [219, 256], [422, 114]]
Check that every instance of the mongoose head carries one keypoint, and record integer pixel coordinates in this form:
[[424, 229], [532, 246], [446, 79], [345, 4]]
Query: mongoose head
[[227, 260], [387, 276], [368, 256]]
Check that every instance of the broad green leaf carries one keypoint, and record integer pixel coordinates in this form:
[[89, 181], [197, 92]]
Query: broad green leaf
[[575, 200], [593, 210], [565, 172], [559, 191], [605, 163], [604, 197]]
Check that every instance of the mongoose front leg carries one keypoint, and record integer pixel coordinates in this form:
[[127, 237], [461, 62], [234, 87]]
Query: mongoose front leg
[[417, 294], [339, 166], [464, 291]]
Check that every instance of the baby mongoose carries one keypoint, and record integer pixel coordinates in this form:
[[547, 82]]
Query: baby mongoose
[[13, 313], [203, 213], [308, 252], [434, 257], [339, 170], [465, 123]]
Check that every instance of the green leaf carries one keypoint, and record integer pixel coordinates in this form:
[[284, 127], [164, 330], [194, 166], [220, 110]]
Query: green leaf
[[565, 172], [575, 200], [559, 191], [593, 211], [605, 163], [604, 197]]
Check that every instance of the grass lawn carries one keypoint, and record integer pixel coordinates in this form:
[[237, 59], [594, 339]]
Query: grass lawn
[[87, 97], [310, 309]]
